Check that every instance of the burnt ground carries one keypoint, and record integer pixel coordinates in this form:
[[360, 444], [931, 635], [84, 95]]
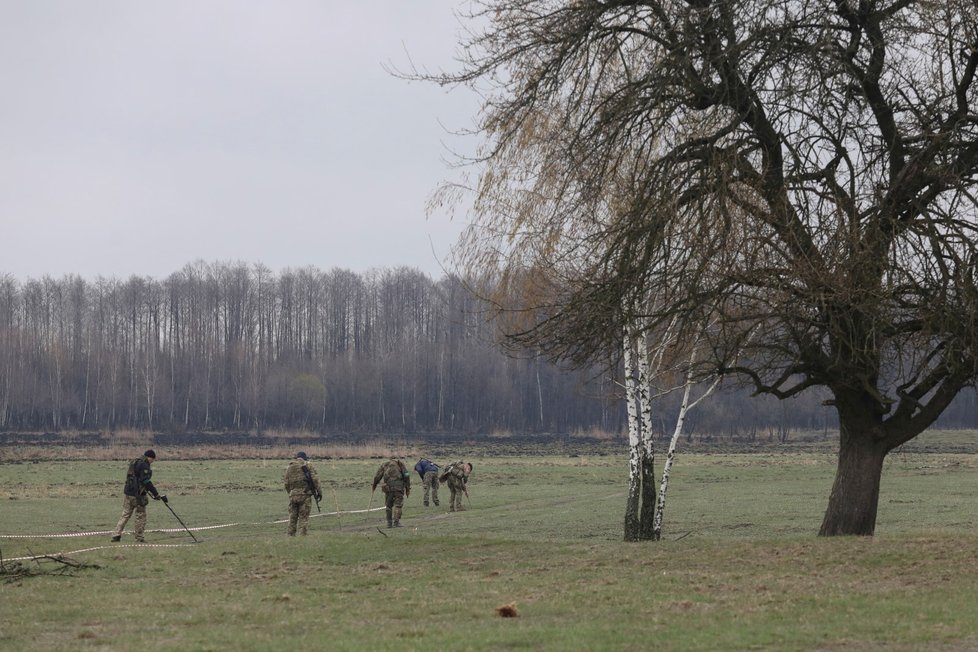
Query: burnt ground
[[440, 444], [374, 444]]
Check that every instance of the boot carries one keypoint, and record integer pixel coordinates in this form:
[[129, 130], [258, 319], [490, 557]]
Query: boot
[[390, 523], [116, 538], [397, 524]]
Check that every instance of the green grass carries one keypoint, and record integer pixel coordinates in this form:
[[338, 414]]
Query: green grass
[[740, 566]]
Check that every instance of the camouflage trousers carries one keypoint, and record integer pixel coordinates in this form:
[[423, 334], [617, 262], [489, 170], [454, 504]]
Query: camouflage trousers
[[394, 502], [430, 484], [457, 487], [131, 504], [299, 508]]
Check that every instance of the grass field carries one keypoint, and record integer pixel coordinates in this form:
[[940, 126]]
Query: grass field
[[739, 568]]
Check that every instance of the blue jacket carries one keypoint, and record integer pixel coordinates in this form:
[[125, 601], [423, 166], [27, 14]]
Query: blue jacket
[[425, 465]]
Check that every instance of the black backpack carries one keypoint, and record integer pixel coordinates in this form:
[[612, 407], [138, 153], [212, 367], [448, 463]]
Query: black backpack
[[132, 482]]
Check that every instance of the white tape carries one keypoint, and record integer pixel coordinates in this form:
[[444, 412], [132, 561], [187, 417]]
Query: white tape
[[143, 545], [123, 545], [173, 529]]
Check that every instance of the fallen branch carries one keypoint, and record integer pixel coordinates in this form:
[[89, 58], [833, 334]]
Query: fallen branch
[[16, 571]]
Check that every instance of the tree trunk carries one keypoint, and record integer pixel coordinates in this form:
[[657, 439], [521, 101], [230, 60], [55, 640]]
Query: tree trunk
[[670, 458], [856, 490], [539, 391], [632, 517], [646, 441]]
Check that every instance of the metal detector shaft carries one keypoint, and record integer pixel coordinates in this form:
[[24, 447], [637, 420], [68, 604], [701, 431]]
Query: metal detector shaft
[[335, 500], [181, 523]]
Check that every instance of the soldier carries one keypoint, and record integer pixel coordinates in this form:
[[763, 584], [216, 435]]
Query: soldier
[[428, 471], [302, 483], [456, 475], [138, 485], [397, 485]]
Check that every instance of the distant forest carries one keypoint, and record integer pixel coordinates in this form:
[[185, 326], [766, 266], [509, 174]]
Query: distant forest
[[234, 347]]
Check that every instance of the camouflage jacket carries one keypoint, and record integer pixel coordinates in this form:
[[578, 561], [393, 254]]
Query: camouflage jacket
[[455, 471], [138, 479], [394, 475], [295, 480]]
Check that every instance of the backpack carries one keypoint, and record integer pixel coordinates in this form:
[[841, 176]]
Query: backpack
[[394, 471], [447, 472], [132, 482]]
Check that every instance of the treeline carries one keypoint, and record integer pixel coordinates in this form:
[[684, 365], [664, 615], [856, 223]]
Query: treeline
[[234, 346]]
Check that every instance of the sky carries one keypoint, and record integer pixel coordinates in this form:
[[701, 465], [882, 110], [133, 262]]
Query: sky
[[137, 137]]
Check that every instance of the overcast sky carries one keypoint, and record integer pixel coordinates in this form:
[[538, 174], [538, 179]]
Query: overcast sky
[[139, 136]]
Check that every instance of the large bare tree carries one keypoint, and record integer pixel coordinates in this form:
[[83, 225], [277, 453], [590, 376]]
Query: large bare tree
[[801, 170]]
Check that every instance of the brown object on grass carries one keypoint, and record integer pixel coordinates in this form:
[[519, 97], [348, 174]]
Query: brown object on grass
[[508, 610]]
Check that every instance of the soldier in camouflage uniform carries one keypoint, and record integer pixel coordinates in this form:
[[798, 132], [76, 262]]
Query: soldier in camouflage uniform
[[302, 483], [138, 485], [396, 485], [456, 476]]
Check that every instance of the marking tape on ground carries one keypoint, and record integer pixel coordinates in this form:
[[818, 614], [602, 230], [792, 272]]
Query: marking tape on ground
[[122, 545], [65, 535], [149, 545]]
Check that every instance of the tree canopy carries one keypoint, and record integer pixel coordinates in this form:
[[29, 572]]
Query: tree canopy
[[802, 171]]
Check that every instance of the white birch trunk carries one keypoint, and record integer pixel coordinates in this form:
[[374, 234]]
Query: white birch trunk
[[684, 408], [632, 525], [646, 443], [670, 457]]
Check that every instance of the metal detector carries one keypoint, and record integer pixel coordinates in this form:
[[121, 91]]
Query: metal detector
[[181, 522]]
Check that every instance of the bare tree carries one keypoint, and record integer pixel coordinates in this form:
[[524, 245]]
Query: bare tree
[[685, 405], [651, 359], [9, 345], [800, 169]]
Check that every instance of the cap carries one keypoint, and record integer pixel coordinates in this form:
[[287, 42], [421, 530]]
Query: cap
[[301, 455], [150, 453]]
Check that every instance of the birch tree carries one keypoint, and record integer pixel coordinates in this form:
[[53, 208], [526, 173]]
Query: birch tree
[[641, 365], [8, 344], [646, 368], [806, 166], [685, 405]]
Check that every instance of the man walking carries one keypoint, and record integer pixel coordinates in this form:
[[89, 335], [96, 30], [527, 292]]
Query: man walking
[[428, 471], [302, 483], [397, 485], [138, 485]]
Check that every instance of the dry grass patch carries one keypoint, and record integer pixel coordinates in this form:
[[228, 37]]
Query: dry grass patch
[[598, 434]]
